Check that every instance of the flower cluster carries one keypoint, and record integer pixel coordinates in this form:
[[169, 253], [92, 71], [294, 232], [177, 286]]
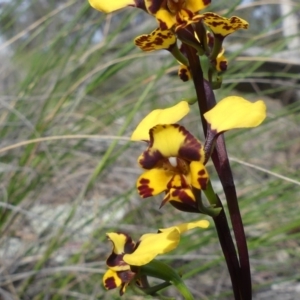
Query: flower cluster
[[127, 256], [180, 19], [174, 161]]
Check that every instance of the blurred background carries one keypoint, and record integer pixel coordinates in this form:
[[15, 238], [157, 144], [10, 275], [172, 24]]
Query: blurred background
[[73, 87]]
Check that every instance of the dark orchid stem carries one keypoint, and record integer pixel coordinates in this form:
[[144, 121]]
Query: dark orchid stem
[[240, 276], [221, 162]]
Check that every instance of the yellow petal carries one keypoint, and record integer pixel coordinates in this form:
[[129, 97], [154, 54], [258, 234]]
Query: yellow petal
[[160, 116], [175, 141], [165, 19], [196, 5], [168, 141], [235, 112], [112, 5], [158, 9], [111, 280], [151, 245], [187, 226], [221, 61], [119, 240], [181, 195], [222, 26], [153, 182], [199, 175], [156, 40], [165, 141]]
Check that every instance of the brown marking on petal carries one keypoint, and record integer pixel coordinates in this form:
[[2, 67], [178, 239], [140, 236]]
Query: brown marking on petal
[[175, 6], [110, 283], [203, 182], [126, 276], [202, 178], [178, 185], [144, 189], [212, 15], [210, 39], [162, 24], [201, 172], [129, 243], [155, 6], [114, 259], [190, 150], [150, 158], [206, 2], [215, 23], [156, 40], [184, 18], [219, 36], [222, 26], [223, 65], [140, 4], [184, 74], [183, 196], [129, 246], [180, 199]]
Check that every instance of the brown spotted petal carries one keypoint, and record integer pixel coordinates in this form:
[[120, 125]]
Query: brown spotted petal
[[153, 182], [179, 190], [171, 140], [185, 197], [221, 62], [157, 40], [113, 279], [184, 18], [122, 244], [199, 175], [221, 26], [184, 73]]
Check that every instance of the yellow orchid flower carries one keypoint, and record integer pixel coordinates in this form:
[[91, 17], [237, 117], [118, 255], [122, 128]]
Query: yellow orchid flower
[[173, 17], [169, 12], [127, 255], [174, 163], [174, 160]]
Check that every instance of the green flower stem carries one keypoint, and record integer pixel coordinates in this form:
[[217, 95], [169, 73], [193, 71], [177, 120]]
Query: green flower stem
[[161, 270], [213, 210], [211, 195], [178, 55], [216, 49], [153, 290]]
